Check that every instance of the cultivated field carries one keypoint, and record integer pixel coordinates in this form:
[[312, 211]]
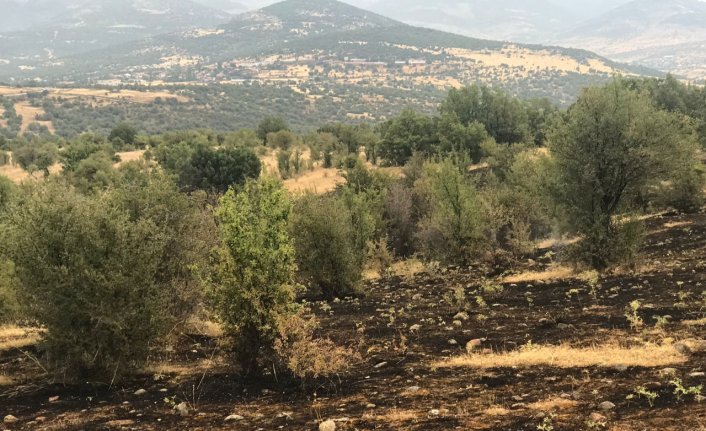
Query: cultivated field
[[523, 348]]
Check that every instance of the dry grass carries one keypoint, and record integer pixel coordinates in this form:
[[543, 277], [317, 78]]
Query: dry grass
[[556, 273], [697, 322], [395, 416], [496, 411], [130, 156], [407, 268], [319, 180], [564, 356], [556, 242], [29, 115], [6, 381], [553, 404], [14, 337]]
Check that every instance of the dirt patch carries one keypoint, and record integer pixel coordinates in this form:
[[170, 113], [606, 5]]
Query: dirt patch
[[30, 114], [130, 156]]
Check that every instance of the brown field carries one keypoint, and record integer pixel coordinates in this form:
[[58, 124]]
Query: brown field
[[106, 95], [29, 115], [129, 156]]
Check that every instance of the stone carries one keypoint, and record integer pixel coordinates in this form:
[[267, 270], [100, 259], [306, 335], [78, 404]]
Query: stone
[[434, 412], [140, 392], [620, 368], [697, 374], [233, 418], [9, 419], [328, 425], [666, 372], [606, 406], [370, 406], [380, 365], [182, 409], [415, 328], [453, 342], [54, 399], [457, 323]]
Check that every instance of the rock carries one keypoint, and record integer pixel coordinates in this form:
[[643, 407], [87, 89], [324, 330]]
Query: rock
[[415, 328], [287, 415], [666, 372], [434, 412], [182, 409], [233, 418], [544, 321], [370, 406], [54, 399], [620, 368], [606, 406], [328, 425], [565, 326], [9, 419], [140, 392], [453, 342], [517, 398], [380, 365], [597, 418], [697, 374], [682, 348], [699, 398], [457, 323]]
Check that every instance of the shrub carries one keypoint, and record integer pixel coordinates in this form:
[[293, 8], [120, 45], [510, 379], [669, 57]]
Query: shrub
[[254, 269], [91, 276], [4, 158], [270, 125], [400, 219], [454, 230], [329, 258]]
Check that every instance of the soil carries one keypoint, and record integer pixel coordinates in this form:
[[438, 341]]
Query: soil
[[394, 386]]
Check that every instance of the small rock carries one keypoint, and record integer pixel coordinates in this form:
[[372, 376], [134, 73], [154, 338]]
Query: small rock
[[700, 398], [380, 365], [620, 368], [234, 417], [415, 328], [564, 326], [606, 406], [9, 419], [517, 398], [682, 348], [664, 372], [457, 323], [597, 418], [453, 342], [370, 406], [287, 415], [328, 425], [182, 409], [697, 374], [140, 392], [54, 399], [434, 412]]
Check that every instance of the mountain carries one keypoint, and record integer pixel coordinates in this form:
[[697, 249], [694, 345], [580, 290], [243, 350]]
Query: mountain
[[324, 47], [665, 34], [83, 26]]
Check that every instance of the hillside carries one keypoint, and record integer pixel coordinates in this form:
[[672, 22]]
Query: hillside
[[666, 34], [80, 27], [319, 48]]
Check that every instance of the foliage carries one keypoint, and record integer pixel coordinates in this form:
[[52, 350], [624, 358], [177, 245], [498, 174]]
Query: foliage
[[612, 144], [406, 134], [454, 230], [329, 256], [123, 136], [254, 269], [217, 170], [71, 254], [34, 158], [270, 125]]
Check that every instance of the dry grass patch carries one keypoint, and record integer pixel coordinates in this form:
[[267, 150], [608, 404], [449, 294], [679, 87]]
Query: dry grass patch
[[14, 337], [129, 156], [553, 404], [610, 355], [319, 181], [6, 381], [395, 416], [697, 322], [556, 273], [496, 411]]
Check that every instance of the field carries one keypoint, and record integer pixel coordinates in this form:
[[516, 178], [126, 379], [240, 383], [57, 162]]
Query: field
[[536, 345]]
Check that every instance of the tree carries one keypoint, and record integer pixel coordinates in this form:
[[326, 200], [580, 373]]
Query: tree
[[466, 140], [270, 125], [406, 134], [253, 276], [217, 170], [612, 144], [124, 134], [35, 157]]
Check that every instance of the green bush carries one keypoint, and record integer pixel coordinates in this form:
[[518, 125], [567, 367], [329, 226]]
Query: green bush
[[91, 276], [254, 269], [329, 257], [217, 170]]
